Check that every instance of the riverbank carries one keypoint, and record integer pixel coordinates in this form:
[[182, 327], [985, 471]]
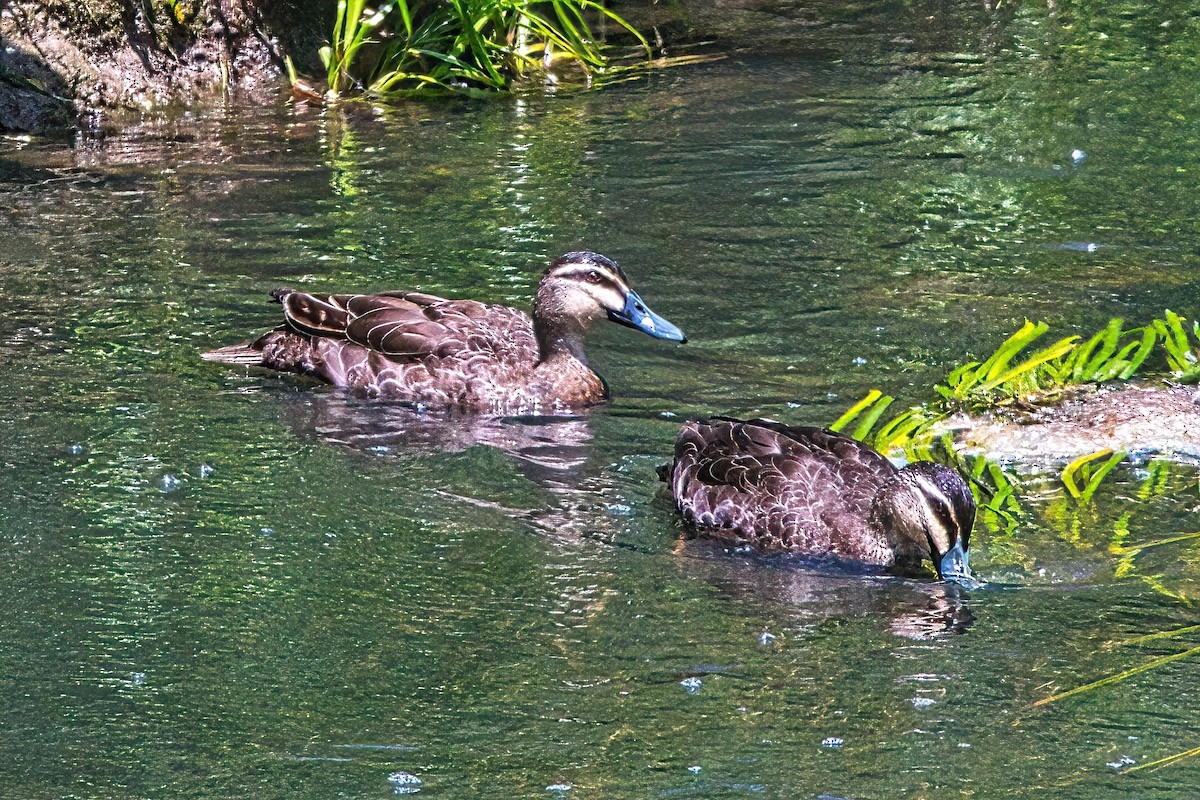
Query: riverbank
[[65, 63]]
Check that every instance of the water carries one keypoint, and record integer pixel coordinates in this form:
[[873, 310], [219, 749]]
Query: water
[[221, 584]]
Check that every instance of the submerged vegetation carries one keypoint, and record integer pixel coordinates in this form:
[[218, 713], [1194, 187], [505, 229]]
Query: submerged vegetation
[[474, 47]]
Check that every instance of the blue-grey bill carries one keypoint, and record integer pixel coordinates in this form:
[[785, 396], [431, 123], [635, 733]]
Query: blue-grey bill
[[636, 314], [953, 567]]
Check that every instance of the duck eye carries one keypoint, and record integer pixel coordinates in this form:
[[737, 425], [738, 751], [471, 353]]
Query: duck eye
[[593, 276]]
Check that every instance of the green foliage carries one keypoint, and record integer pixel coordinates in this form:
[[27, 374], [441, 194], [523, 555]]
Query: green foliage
[[904, 431], [1112, 354], [476, 47], [979, 381], [1009, 376], [1081, 471], [1181, 354]]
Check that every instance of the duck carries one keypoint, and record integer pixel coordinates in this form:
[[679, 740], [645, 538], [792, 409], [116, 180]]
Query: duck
[[431, 352], [812, 492]]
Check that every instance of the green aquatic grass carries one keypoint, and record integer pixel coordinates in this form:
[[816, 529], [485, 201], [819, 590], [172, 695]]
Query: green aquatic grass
[[1019, 374], [1117, 678], [473, 47], [1178, 340], [1082, 480]]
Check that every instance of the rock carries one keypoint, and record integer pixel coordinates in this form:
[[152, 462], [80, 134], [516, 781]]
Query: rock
[[1151, 419], [76, 61]]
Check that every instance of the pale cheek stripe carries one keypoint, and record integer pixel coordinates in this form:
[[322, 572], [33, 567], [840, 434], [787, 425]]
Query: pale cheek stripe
[[931, 490]]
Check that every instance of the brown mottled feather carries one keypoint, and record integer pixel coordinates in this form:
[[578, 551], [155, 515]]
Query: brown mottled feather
[[782, 489], [418, 348]]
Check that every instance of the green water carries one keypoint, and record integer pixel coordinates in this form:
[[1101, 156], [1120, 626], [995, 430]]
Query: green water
[[220, 584]]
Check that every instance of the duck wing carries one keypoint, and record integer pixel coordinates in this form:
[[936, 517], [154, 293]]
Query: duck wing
[[412, 326], [775, 486]]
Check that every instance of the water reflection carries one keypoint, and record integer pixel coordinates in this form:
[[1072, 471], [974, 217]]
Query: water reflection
[[574, 498], [548, 450], [912, 609]]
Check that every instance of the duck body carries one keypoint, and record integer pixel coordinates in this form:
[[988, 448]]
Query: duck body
[[433, 352], [816, 493]]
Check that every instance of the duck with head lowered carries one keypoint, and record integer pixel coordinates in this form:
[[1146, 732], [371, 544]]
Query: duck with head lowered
[[433, 352], [817, 493]]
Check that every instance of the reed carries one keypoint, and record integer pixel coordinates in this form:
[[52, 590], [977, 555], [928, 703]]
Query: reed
[[473, 47]]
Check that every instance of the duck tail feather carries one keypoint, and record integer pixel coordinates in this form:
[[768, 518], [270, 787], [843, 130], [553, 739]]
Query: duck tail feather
[[235, 354]]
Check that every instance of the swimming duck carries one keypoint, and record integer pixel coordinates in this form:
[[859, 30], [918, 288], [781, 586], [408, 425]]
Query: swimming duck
[[818, 493], [434, 352]]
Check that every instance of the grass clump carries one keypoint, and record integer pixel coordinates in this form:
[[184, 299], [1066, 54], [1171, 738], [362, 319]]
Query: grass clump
[[1017, 376], [1021, 375], [473, 47]]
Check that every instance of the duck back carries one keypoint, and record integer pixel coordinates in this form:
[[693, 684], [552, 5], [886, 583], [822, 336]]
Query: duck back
[[781, 489]]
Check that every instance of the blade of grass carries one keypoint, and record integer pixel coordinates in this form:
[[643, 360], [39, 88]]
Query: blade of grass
[[1072, 470], [856, 409], [1122, 550], [1150, 637], [1094, 481], [1165, 762], [864, 427], [1120, 676]]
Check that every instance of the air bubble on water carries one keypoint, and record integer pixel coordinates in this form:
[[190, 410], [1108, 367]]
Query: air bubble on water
[[832, 741], [205, 470], [138, 679], [619, 509], [404, 782], [964, 745], [167, 483], [76, 449], [267, 531], [858, 361], [922, 702], [691, 685], [766, 638], [559, 788], [1077, 156]]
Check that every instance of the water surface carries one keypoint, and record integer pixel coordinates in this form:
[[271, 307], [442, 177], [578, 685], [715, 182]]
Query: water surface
[[226, 584]]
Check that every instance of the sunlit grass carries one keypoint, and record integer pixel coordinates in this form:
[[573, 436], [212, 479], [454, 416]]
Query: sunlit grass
[[1081, 471], [1117, 678], [474, 47], [1181, 352], [1018, 374]]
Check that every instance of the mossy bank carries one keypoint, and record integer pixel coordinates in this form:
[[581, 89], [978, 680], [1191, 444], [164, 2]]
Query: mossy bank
[[67, 62]]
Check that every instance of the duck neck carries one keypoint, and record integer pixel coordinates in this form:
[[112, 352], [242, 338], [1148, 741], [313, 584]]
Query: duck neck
[[893, 514], [558, 338]]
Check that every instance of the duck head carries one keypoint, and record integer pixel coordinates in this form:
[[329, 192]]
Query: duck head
[[929, 509], [581, 287]]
